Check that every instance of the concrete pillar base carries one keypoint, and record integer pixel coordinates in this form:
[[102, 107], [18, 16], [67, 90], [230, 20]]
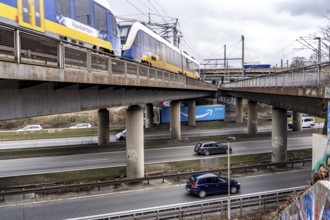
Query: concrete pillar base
[[134, 142], [103, 128], [192, 113], [296, 121], [175, 123], [149, 115], [279, 135], [252, 118], [239, 110]]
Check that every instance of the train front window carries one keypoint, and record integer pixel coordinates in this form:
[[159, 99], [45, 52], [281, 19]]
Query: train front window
[[82, 11], [100, 16], [124, 30], [63, 7]]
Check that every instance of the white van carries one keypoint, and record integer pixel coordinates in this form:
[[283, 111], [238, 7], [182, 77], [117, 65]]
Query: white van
[[306, 122]]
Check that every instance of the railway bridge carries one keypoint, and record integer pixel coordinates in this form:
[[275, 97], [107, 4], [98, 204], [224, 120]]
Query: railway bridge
[[42, 76], [301, 90]]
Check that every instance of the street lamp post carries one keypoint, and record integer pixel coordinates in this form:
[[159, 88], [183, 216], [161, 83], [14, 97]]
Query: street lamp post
[[228, 153]]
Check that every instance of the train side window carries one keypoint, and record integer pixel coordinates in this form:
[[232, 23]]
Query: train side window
[[146, 42], [100, 18], [152, 44], [82, 11], [63, 8], [159, 50]]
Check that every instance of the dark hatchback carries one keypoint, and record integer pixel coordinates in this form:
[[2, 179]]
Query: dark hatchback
[[204, 184], [211, 147]]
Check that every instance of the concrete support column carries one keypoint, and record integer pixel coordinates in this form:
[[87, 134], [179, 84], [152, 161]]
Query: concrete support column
[[239, 110], [134, 142], [296, 121], [103, 129], [279, 135], [175, 124], [192, 113], [252, 117], [149, 115]]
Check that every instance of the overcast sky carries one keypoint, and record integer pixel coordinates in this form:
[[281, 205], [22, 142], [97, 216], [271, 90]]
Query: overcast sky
[[270, 27]]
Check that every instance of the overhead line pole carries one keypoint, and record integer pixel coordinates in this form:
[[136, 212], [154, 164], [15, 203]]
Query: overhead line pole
[[243, 55]]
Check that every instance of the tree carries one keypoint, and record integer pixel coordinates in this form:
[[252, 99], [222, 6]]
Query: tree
[[326, 40]]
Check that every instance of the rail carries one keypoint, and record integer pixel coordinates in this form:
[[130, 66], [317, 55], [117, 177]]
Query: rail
[[25, 47], [99, 184], [313, 75], [205, 208]]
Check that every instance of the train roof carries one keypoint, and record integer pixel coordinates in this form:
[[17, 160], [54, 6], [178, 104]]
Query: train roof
[[136, 26], [104, 3]]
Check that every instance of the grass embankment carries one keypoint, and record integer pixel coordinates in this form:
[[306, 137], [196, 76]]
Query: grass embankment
[[201, 164]]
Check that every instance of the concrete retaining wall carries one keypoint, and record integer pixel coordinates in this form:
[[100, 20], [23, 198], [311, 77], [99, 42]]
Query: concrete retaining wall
[[314, 204]]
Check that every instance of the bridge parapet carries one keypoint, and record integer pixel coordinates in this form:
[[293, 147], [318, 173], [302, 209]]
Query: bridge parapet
[[314, 76], [32, 57]]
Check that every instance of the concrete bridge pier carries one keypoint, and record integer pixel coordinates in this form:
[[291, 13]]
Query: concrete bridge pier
[[134, 142], [239, 110], [252, 117], [175, 123], [192, 112], [149, 115], [296, 121], [279, 135], [103, 129]]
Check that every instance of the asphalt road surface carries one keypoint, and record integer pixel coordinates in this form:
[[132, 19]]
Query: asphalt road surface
[[39, 165], [156, 135], [140, 197]]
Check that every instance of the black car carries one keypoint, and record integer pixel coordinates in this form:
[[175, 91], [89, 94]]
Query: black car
[[211, 147], [204, 184]]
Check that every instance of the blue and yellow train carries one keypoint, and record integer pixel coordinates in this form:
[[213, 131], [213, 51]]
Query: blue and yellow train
[[88, 23], [91, 24], [141, 44]]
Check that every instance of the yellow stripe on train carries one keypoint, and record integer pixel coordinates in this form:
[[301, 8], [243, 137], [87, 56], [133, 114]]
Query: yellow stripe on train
[[163, 65], [77, 35], [11, 13], [8, 12]]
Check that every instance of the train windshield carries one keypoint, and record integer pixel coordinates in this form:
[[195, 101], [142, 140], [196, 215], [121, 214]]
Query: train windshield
[[124, 30]]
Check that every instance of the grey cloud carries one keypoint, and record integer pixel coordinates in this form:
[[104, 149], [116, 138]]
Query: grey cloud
[[317, 8]]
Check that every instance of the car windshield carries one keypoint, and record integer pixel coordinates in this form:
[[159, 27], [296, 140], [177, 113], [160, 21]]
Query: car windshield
[[198, 145]]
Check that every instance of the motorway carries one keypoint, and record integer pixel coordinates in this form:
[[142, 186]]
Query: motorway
[[140, 197], [156, 135], [39, 165]]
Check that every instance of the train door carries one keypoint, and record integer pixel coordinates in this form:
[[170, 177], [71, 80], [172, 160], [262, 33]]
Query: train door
[[31, 14], [164, 54]]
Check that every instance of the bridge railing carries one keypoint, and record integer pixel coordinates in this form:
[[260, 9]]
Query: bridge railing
[[24, 47], [313, 75]]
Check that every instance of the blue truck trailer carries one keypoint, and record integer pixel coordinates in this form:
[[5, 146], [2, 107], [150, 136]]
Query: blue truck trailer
[[203, 113]]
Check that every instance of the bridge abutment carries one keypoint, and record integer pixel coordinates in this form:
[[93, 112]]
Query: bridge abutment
[[239, 110], [134, 142], [279, 135], [149, 115], [296, 121], [175, 123], [252, 117], [103, 128], [192, 113]]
